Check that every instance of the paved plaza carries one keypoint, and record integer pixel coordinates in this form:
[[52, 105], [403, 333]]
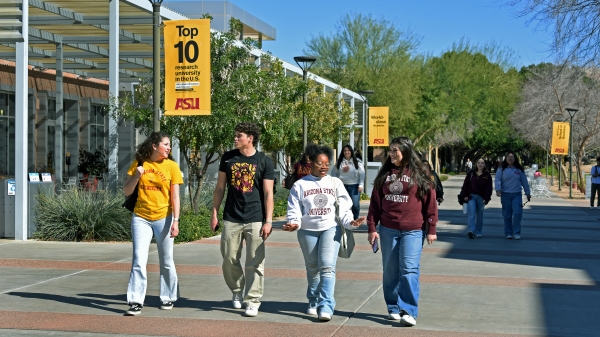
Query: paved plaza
[[545, 284]]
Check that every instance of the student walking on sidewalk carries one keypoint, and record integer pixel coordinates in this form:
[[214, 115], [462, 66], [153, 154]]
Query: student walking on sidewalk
[[595, 172], [477, 191], [311, 211], [351, 172], [510, 182], [403, 204], [248, 176], [156, 213]]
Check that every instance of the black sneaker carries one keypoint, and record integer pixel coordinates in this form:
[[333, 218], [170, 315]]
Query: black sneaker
[[166, 305], [471, 235], [134, 310]]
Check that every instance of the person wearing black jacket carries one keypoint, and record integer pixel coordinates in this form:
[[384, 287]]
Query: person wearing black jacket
[[477, 191], [439, 190]]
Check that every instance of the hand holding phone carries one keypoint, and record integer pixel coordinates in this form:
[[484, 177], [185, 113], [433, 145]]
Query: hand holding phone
[[375, 245]]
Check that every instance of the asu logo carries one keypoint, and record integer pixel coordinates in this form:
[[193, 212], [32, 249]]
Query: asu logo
[[187, 103], [378, 141]]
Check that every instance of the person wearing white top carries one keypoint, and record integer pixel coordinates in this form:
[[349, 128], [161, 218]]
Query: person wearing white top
[[351, 172], [311, 211]]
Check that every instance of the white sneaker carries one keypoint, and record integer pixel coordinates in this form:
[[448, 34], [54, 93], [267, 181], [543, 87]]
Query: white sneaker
[[251, 311], [408, 320], [237, 300], [325, 317], [517, 237], [394, 316], [311, 311]]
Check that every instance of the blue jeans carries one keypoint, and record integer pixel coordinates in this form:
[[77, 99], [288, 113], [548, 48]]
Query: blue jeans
[[355, 196], [512, 211], [141, 235], [401, 253], [475, 210], [320, 250]]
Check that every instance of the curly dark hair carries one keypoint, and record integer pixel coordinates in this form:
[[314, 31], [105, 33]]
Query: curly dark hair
[[144, 150], [410, 160], [517, 163], [313, 151], [341, 157], [250, 129]]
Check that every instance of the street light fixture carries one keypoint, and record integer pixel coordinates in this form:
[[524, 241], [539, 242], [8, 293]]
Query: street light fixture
[[304, 62], [572, 112], [365, 150], [156, 62]]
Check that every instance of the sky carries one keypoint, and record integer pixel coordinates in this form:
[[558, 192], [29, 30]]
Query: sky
[[438, 23]]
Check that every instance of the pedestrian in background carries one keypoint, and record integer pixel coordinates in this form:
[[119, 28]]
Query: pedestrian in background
[[248, 176], [439, 189], [312, 211], [351, 172], [595, 172], [403, 204], [477, 191], [156, 213], [511, 180]]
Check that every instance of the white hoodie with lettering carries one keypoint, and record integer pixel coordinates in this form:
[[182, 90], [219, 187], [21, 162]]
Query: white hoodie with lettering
[[311, 203]]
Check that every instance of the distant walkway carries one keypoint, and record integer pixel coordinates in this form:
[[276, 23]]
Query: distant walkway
[[546, 284]]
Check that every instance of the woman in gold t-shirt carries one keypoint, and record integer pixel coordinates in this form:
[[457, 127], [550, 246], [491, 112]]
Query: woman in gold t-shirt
[[156, 213]]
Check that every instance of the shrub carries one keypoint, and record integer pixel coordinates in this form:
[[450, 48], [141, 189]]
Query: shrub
[[443, 177], [364, 196], [194, 227], [280, 199], [77, 215]]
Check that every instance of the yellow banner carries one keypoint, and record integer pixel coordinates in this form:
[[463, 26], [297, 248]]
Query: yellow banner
[[560, 138], [187, 67], [379, 126]]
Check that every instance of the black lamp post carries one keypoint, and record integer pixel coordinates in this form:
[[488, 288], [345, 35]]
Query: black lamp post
[[572, 112], [365, 150], [156, 62], [304, 62]]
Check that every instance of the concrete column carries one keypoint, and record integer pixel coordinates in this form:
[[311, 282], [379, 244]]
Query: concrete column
[[21, 127], [113, 88], [59, 149]]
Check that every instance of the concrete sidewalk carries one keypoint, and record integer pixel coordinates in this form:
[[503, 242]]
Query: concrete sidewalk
[[544, 284]]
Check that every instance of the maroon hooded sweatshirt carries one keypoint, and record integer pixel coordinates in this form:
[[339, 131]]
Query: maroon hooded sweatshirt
[[397, 207]]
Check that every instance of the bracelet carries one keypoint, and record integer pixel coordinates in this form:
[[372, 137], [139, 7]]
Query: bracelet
[[175, 219]]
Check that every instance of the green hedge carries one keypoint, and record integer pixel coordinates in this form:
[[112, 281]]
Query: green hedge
[[77, 215]]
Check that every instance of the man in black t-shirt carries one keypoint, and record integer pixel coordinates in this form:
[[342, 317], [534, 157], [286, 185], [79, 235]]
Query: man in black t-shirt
[[248, 176]]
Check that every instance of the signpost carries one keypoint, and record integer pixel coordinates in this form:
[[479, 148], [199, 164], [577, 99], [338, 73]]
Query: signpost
[[187, 67], [379, 126]]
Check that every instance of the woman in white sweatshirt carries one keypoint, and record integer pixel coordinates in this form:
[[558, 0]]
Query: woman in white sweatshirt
[[311, 211], [351, 172]]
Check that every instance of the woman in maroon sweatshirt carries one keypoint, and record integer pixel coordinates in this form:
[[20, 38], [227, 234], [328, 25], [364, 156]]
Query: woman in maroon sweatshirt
[[477, 191], [403, 204]]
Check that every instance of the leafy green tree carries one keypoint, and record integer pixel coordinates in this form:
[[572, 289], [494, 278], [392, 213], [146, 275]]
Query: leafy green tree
[[369, 53]]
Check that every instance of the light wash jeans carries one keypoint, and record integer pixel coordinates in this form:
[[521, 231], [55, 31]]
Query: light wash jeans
[[320, 249], [251, 284], [475, 211], [141, 235], [355, 196], [512, 211], [401, 254]]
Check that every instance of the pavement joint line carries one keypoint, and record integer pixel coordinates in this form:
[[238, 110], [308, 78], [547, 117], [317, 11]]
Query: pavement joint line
[[357, 309]]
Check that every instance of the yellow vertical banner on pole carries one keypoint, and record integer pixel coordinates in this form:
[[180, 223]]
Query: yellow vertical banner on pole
[[187, 67], [560, 138], [379, 126]]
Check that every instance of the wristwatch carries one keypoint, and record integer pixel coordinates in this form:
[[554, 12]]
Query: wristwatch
[[175, 219]]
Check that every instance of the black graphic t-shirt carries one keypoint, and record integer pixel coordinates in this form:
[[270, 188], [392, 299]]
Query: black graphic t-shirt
[[244, 194]]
